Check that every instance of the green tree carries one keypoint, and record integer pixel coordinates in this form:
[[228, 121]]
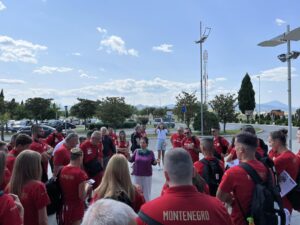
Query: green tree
[[12, 108], [84, 109], [38, 108], [21, 112], [160, 112], [224, 107], [189, 100], [246, 96], [147, 111], [210, 121], [114, 111]]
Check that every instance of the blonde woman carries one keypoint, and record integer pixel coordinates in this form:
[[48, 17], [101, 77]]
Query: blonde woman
[[25, 183], [9, 213], [116, 184]]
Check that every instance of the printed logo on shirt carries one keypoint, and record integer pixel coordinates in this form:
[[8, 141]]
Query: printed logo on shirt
[[89, 151], [186, 216]]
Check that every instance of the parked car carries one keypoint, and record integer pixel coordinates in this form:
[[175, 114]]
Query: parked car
[[166, 121], [59, 123], [47, 130], [17, 125]]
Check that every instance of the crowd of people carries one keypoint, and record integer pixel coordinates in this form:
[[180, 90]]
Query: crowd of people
[[202, 185]]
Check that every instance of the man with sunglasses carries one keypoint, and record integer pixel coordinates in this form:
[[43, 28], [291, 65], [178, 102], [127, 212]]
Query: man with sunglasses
[[191, 144], [221, 145]]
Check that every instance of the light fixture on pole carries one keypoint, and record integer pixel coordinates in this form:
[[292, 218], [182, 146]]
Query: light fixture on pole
[[286, 37], [203, 37]]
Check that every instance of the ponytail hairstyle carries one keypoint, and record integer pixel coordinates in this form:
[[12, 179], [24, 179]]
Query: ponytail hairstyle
[[280, 135]]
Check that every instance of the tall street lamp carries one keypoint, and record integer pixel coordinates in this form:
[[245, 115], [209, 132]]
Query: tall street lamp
[[258, 99], [66, 115], [203, 37], [286, 37]]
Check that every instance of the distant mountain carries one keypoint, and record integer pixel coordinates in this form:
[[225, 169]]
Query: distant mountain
[[268, 106]]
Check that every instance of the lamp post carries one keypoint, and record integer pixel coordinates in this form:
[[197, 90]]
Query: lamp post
[[258, 99], [203, 37], [286, 37], [66, 115]]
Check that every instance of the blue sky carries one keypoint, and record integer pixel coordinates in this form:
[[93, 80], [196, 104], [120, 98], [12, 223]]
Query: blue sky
[[142, 50]]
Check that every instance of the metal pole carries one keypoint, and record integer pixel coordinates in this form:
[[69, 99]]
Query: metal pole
[[201, 81], [259, 99], [289, 90]]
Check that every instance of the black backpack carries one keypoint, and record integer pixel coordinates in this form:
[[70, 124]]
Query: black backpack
[[294, 195], [212, 174], [266, 205], [55, 194]]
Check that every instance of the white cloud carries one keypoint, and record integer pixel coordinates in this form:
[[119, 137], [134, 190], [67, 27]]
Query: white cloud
[[167, 48], [84, 75], [275, 74], [101, 30], [117, 44], [76, 54], [221, 79], [148, 92], [50, 70], [279, 22], [2, 6], [18, 50], [11, 81]]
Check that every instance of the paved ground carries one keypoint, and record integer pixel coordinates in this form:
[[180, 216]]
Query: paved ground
[[158, 178]]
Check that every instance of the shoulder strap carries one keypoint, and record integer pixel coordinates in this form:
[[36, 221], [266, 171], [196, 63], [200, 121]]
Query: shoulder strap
[[204, 161], [147, 219], [252, 172]]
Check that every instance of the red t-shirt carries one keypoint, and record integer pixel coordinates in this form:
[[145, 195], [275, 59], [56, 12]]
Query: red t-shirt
[[289, 162], [40, 146], [122, 144], [54, 138], [34, 198], [219, 143], [176, 140], [273, 154], [199, 166], [91, 151], [70, 179], [190, 145], [7, 176], [9, 213], [237, 182], [10, 159], [62, 156], [114, 137], [185, 205]]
